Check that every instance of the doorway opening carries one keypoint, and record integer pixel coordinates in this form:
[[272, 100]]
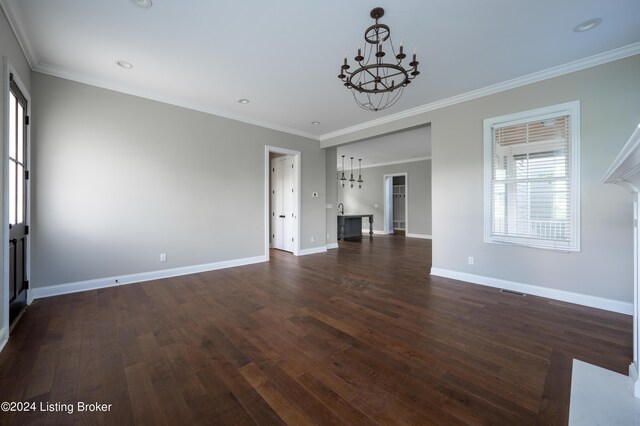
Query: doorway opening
[[282, 200], [396, 202]]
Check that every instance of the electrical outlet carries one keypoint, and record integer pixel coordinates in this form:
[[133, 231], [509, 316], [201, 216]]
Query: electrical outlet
[[163, 257], [315, 195], [471, 260], [313, 239]]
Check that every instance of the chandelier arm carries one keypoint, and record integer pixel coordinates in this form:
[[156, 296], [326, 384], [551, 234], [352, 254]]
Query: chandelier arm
[[398, 73], [369, 72]]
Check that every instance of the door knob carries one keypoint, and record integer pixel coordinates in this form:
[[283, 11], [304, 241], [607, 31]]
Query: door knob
[[282, 216]]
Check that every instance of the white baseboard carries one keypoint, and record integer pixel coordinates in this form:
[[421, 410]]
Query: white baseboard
[[550, 293], [4, 337], [74, 287], [313, 250], [423, 236], [332, 246]]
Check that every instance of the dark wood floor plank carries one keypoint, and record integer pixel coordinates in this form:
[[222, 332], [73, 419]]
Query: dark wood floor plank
[[146, 407], [358, 335], [282, 405], [554, 405]]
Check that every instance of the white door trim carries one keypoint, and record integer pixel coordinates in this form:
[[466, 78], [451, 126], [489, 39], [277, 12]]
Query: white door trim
[[387, 181], [298, 184]]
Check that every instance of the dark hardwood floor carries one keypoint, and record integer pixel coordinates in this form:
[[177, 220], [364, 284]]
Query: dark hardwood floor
[[359, 335]]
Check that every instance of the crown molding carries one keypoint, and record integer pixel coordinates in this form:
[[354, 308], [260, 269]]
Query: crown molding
[[580, 64], [17, 29], [391, 163], [80, 78], [44, 68]]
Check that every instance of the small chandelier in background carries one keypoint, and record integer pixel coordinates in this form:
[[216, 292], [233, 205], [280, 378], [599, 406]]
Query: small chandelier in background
[[351, 179], [343, 180], [376, 84]]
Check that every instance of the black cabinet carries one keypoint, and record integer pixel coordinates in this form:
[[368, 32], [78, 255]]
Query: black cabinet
[[350, 226]]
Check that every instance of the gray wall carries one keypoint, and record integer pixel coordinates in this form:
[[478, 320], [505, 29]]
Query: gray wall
[[120, 179], [9, 50], [364, 201], [610, 110]]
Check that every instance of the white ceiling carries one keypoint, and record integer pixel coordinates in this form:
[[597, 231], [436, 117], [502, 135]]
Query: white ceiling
[[284, 55]]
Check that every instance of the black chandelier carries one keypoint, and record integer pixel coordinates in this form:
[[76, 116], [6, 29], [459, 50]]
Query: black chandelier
[[376, 84]]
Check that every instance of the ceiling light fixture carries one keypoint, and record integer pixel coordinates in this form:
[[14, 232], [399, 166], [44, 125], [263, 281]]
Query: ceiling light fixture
[[124, 64], [587, 25], [146, 4], [243, 101], [351, 179], [376, 84], [343, 179], [315, 123]]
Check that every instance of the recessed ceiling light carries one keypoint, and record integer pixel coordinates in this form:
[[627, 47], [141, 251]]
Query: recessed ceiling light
[[143, 3], [243, 101], [124, 64], [587, 25], [315, 123]]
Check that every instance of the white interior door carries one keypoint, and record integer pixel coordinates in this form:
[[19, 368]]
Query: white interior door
[[288, 202], [277, 215], [283, 203]]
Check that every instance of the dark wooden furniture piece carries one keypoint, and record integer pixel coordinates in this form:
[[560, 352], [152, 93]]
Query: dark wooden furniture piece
[[350, 226]]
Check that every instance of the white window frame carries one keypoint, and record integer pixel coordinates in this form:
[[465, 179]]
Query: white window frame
[[572, 109]]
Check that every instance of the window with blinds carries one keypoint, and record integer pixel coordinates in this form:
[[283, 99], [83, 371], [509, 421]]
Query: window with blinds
[[532, 178]]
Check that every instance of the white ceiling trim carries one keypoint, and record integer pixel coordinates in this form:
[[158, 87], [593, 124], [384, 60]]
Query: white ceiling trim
[[391, 163], [580, 64], [17, 30], [603, 58], [80, 78], [570, 67], [35, 65]]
